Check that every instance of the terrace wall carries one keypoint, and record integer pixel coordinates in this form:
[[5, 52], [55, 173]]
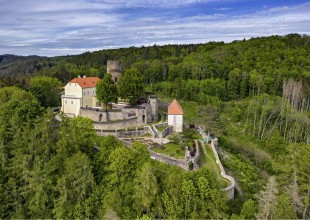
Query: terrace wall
[[231, 188]]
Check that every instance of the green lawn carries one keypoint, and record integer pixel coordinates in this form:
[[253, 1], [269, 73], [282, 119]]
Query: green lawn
[[209, 162], [161, 129], [172, 150]]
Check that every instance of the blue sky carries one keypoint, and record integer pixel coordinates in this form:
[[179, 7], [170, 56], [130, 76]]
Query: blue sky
[[65, 27]]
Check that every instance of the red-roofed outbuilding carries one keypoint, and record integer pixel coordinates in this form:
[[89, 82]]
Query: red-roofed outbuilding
[[175, 116]]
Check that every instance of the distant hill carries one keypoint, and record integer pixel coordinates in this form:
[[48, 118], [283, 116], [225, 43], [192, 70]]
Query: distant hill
[[12, 65]]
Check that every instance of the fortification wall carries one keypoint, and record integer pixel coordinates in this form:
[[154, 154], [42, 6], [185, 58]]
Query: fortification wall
[[197, 153], [163, 105], [113, 125], [172, 161], [163, 133], [102, 115], [231, 188], [168, 160], [166, 132]]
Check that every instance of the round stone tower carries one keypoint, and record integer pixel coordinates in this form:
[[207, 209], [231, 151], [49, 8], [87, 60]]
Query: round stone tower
[[115, 69], [154, 105]]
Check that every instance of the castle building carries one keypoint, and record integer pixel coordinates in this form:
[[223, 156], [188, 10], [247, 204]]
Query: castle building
[[79, 92], [175, 116], [115, 69]]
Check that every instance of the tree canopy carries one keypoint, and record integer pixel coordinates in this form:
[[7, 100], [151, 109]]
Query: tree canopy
[[131, 85], [106, 90]]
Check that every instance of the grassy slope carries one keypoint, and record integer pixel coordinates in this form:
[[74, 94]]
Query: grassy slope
[[172, 150], [208, 161]]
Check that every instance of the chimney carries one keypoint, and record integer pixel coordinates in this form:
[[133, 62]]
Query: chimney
[[79, 76], [84, 76]]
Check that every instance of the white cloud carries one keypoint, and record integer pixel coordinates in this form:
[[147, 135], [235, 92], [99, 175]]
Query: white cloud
[[62, 27]]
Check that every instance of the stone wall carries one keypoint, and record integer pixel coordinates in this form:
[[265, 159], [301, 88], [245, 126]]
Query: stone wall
[[154, 106], [166, 132], [163, 133], [178, 162], [128, 133], [132, 133], [231, 188], [113, 125], [168, 160], [115, 69], [163, 105], [155, 131], [151, 131], [99, 114], [197, 153]]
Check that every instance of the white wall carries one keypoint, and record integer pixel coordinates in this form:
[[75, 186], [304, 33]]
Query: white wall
[[76, 97], [73, 89], [87, 94], [176, 121], [71, 106]]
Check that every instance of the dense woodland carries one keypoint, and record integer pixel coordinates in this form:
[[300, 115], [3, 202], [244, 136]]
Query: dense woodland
[[253, 94]]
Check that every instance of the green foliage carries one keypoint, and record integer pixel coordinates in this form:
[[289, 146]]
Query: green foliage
[[131, 85], [46, 90], [74, 187], [50, 169], [106, 90], [249, 209], [146, 188]]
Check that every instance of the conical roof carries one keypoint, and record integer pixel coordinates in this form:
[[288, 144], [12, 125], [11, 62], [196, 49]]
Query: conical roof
[[174, 108]]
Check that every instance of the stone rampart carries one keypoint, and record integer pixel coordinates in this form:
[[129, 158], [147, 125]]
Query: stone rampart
[[166, 132], [184, 164], [163, 133], [163, 105], [155, 131], [113, 125], [197, 153], [168, 160], [150, 131], [122, 133], [99, 115], [131, 133], [231, 188]]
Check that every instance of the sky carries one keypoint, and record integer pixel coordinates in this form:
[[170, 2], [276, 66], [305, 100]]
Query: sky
[[66, 27]]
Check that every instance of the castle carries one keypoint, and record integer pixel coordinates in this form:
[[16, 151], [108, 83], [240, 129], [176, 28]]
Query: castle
[[80, 99]]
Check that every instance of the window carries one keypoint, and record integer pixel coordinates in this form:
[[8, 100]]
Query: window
[[66, 101], [72, 102], [115, 80], [87, 92], [84, 93]]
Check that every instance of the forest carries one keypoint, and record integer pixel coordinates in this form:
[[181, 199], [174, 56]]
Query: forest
[[254, 95]]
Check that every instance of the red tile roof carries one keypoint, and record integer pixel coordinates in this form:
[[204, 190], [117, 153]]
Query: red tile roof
[[87, 82], [174, 108]]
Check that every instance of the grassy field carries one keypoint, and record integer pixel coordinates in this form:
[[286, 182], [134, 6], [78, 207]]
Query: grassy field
[[161, 129], [209, 162], [172, 150]]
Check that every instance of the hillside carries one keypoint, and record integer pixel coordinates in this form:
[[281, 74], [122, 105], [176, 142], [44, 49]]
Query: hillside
[[254, 95]]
